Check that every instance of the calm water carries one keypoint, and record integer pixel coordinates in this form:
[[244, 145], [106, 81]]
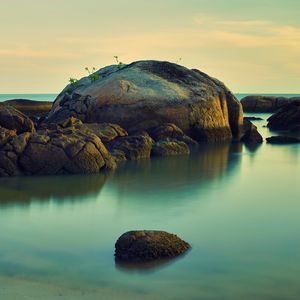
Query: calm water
[[238, 207]]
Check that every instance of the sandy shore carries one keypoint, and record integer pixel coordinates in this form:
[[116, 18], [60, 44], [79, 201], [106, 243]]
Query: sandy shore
[[12, 288]]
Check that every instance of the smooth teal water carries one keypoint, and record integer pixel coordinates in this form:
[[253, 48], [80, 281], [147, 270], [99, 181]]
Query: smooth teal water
[[238, 207]]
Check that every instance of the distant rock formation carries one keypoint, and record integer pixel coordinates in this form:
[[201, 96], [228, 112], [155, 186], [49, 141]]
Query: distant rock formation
[[31, 108], [265, 104], [146, 94]]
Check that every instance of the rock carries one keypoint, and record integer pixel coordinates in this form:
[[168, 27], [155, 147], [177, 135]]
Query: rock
[[143, 246], [12, 119], [106, 132], [170, 147], [171, 131], [253, 118], [134, 147], [286, 118], [251, 134], [6, 135], [281, 139], [265, 104], [145, 94], [31, 108], [65, 151]]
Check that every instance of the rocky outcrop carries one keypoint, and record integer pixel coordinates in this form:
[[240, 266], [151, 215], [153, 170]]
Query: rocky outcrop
[[281, 139], [143, 246], [169, 147], [286, 118], [12, 119], [265, 104], [31, 108], [62, 150], [147, 94], [251, 134]]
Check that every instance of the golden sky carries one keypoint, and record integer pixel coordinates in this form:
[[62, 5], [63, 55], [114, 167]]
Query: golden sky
[[252, 46]]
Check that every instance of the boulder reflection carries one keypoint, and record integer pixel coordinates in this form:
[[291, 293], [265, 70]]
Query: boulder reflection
[[208, 164], [24, 190]]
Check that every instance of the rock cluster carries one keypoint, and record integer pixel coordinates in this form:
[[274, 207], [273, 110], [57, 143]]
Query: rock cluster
[[265, 104], [143, 246]]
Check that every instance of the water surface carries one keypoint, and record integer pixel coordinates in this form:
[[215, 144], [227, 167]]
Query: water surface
[[237, 206]]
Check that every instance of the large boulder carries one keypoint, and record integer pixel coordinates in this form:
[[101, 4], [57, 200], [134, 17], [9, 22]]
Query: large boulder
[[265, 104], [12, 119], [143, 246], [31, 108], [286, 118], [146, 94]]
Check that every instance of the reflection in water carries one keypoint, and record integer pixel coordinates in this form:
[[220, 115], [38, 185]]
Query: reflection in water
[[24, 190], [209, 163], [146, 267]]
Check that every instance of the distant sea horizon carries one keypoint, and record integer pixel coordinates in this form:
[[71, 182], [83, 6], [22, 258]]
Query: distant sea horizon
[[51, 96]]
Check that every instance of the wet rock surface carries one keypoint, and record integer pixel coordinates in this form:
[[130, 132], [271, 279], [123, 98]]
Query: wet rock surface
[[143, 246]]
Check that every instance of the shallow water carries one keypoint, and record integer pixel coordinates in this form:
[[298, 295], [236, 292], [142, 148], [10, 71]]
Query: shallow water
[[238, 207]]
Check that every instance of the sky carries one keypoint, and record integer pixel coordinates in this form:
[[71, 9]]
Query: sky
[[252, 46]]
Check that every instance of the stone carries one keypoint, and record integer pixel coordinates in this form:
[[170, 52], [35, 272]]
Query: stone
[[12, 119], [169, 147], [143, 246], [251, 134], [145, 94], [265, 104], [31, 108], [134, 147], [171, 131], [286, 118], [64, 151], [281, 139], [253, 118]]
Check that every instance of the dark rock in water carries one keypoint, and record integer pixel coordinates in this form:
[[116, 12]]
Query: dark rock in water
[[146, 94], [253, 118], [133, 147], [286, 118], [265, 104], [251, 134], [31, 108], [12, 119], [281, 139], [169, 147], [143, 246]]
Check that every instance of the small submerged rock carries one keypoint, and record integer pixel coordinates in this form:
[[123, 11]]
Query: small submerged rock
[[282, 139], [145, 245]]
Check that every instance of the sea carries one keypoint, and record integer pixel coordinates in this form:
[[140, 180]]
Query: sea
[[238, 206]]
